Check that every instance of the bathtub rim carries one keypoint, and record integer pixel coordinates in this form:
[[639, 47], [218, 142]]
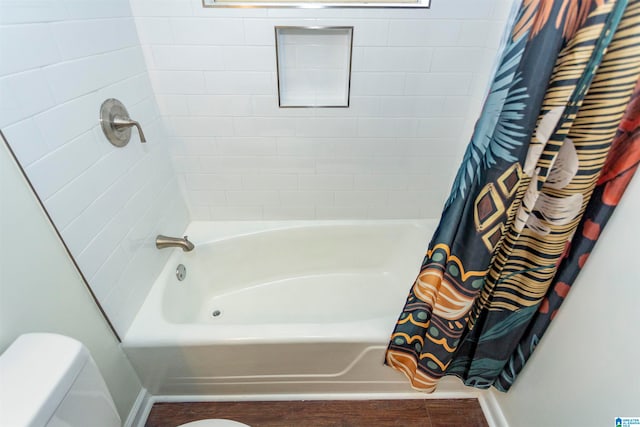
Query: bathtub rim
[[204, 234]]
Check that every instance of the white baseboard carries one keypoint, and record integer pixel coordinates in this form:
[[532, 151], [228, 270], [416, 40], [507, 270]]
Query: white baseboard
[[140, 409], [491, 409], [313, 396]]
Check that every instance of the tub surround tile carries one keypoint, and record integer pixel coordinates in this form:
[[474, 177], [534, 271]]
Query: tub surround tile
[[351, 413], [56, 70], [418, 77]]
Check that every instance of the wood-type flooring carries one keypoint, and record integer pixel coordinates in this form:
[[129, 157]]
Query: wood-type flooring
[[325, 413]]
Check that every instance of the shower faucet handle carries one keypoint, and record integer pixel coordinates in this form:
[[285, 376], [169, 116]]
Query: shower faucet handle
[[125, 122], [116, 123]]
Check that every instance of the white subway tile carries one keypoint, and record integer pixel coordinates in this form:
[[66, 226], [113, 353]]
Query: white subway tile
[[392, 127], [219, 105], [416, 197], [80, 9], [236, 213], [260, 32], [359, 106], [395, 211], [26, 141], [396, 59], [281, 213], [460, 9], [422, 181], [130, 90], [439, 128], [71, 200], [29, 12], [262, 126], [369, 84], [195, 146], [474, 33], [307, 198], [361, 198], [371, 165], [302, 147], [253, 198], [207, 31], [502, 9], [267, 105], [367, 147], [151, 8], [140, 240], [342, 212], [77, 39], [405, 32], [200, 213], [178, 82], [206, 198], [173, 105], [495, 31], [213, 182], [154, 30], [455, 106], [458, 59], [200, 126], [69, 80], [242, 165], [325, 127], [247, 146], [227, 12], [381, 182], [98, 250], [241, 83], [438, 84], [369, 32], [186, 164], [433, 147], [270, 182], [103, 209], [22, 95], [188, 58], [105, 279], [53, 171], [248, 58], [23, 47], [412, 106], [326, 182]]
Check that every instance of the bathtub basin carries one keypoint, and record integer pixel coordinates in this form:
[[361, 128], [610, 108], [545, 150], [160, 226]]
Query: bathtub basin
[[278, 307]]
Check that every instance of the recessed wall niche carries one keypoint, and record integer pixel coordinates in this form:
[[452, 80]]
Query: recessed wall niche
[[314, 66]]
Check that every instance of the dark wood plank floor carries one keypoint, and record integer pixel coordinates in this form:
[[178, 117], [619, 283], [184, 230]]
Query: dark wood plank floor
[[324, 413]]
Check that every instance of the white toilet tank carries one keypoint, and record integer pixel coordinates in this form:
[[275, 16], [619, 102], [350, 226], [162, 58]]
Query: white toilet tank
[[51, 380]]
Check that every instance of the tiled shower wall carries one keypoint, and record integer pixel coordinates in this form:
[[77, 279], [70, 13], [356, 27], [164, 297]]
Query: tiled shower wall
[[59, 60], [418, 78]]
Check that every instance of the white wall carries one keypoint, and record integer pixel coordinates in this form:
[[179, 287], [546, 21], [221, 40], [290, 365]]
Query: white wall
[[41, 291], [585, 371], [418, 76], [60, 61]]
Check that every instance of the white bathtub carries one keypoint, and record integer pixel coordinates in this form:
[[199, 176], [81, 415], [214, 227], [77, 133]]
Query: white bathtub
[[301, 307]]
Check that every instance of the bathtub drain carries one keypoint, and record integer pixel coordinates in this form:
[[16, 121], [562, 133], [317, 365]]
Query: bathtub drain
[[181, 272], [216, 313]]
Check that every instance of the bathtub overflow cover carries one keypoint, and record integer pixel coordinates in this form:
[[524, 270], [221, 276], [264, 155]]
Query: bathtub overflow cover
[[216, 313], [181, 272]]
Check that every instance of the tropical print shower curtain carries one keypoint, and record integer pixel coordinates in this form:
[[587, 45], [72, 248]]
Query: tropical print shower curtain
[[551, 154]]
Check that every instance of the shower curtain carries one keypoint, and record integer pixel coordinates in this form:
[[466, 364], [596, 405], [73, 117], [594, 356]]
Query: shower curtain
[[551, 154]]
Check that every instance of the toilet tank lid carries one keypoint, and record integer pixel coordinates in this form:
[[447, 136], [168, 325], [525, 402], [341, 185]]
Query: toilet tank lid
[[36, 372]]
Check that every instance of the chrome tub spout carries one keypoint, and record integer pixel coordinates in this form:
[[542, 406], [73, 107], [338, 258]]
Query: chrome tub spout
[[174, 242]]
